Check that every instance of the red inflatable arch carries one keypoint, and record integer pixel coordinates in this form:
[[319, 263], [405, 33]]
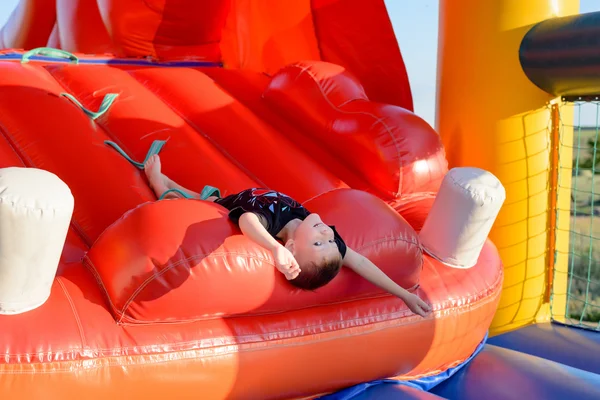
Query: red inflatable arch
[[166, 298]]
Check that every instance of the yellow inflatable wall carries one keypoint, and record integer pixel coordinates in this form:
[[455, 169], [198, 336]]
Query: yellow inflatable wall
[[491, 116]]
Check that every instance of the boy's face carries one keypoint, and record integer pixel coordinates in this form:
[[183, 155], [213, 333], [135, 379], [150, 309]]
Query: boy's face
[[314, 241]]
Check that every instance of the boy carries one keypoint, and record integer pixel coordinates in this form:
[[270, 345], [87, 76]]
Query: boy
[[312, 252]]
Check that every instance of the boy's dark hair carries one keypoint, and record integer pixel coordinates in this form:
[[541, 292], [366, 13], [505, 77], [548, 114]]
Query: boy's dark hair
[[312, 276]]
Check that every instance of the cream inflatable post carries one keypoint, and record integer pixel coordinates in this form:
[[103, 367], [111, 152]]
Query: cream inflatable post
[[35, 213], [462, 216]]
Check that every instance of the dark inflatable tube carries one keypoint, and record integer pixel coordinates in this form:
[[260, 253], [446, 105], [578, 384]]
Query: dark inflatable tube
[[562, 56], [544, 361], [569, 346], [388, 390], [503, 374]]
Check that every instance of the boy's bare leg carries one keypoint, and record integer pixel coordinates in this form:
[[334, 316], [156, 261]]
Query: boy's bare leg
[[173, 185], [159, 182]]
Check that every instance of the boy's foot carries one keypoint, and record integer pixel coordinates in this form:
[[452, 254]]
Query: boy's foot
[[157, 180]]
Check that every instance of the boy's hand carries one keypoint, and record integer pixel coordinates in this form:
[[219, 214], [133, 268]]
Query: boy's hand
[[416, 305], [252, 227], [285, 262]]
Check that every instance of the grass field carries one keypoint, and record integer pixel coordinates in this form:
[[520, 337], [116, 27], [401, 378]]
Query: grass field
[[584, 257], [584, 269]]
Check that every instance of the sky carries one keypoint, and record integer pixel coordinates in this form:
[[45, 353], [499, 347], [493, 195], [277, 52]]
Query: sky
[[415, 24]]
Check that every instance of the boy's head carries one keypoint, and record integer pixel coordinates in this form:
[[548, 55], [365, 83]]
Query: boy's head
[[314, 248]]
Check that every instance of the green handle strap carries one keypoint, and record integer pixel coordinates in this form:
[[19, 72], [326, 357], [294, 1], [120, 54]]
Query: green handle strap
[[184, 194], [155, 148], [207, 192], [49, 52], [108, 100]]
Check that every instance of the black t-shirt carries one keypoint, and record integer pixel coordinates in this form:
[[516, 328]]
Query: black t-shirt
[[276, 208]]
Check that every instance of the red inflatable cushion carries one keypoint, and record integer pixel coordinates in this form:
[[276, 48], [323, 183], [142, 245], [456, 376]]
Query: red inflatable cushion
[[157, 257], [399, 152]]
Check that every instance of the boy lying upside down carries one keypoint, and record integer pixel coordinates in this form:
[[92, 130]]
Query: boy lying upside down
[[312, 252]]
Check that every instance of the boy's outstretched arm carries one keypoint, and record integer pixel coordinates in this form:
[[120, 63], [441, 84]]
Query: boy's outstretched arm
[[365, 268], [252, 227]]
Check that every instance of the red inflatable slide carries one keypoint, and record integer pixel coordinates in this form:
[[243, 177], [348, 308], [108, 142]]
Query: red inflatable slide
[[157, 299]]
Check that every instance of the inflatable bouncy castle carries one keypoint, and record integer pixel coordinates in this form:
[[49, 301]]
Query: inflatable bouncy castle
[[149, 298]]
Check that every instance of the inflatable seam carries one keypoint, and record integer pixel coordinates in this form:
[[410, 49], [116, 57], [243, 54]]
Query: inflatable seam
[[323, 193], [75, 313], [16, 204], [315, 30], [10, 145], [416, 196], [192, 345], [469, 190], [377, 120], [88, 241], [473, 298], [396, 239], [106, 132], [28, 162], [92, 268], [178, 263], [201, 132], [450, 364], [168, 268], [16, 148]]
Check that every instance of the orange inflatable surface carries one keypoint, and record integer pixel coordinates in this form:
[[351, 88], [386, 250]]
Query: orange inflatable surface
[[166, 298]]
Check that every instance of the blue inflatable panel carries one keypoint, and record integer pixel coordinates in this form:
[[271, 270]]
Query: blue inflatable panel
[[574, 347], [384, 390], [503, 374]]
